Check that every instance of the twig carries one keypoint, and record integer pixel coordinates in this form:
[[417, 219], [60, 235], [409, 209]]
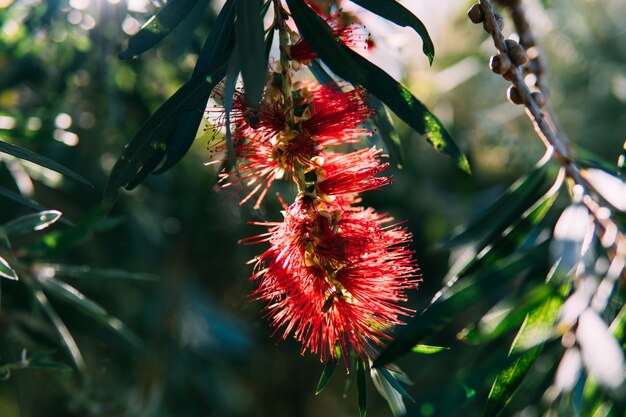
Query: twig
[[548, 127]]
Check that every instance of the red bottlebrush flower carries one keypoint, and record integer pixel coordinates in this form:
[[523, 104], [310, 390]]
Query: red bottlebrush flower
[[334, 279], [351, 173], [348, 30], [267, 149]]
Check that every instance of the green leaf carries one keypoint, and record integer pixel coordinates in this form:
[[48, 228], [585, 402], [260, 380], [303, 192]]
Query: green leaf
[[66, 337], [496, 246], [508, 208], [382, 383], [361, 385], [42, 360], [530, 340], [20, 199], [354, 68], [149, 145], [30, 222], [352, 360], [329, 368], [386, 373], [158, 27], [216, 46], [251, 47], [428, 349], [395, 12], [22, 153], [386, 130], [6, 271], [71, 295], [485, 287], [74, 271]]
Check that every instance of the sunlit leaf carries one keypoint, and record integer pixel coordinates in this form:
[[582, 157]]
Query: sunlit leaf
[[529, 340], [250, 47], [569, 370], [571, 238], [329, 368], [30, 222], [216, 47], [611, 188], [602, 354], [398, 14], [428, 349], [6, 271], [393, 381], [35, 158], [388, 391], [359, 71], [158, 27], [361, 385], [66, 337]]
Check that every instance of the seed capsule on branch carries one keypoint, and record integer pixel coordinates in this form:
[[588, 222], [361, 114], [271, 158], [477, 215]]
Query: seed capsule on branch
[[475, 14], [516, 52], [514, 95], [500, 64]]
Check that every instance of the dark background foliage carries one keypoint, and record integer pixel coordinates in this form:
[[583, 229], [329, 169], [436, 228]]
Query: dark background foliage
[[206, 350]]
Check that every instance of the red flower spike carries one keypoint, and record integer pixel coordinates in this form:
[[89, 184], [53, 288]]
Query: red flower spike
[[351, 173], [343, 27], [334, 279], [267, 149]]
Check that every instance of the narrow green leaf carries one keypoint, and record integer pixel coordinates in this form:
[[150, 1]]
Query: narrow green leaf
[[354, 68], [529, 339], [386, 130], [508, 208], [395, 12], [361, 385], [428, 349], [71, 295], [6, 271], [148, 146], [87, 272], [30, 222], [20, 199], [250, 47], [22, 153], [269, 39], [217, 46], [329, 368], [42, 360], [66, 337], [386, 373], [388, 392], [352, 360], [158, 27], [485, 287]]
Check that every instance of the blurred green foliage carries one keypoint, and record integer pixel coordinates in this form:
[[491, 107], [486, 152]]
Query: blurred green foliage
[[165, 260]]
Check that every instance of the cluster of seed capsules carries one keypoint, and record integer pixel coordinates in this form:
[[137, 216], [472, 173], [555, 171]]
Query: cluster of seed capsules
[[335, 274]]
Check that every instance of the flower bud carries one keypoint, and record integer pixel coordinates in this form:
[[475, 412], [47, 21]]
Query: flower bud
[[516, 52], [513, 95], [475, 14], [500, 64]]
